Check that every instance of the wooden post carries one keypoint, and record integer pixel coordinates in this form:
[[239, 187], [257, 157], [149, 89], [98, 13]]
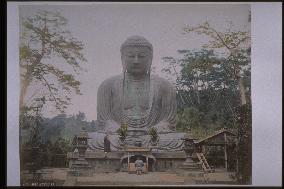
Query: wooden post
[[128, 162], [203, 149], [225, 152], [146, 163]]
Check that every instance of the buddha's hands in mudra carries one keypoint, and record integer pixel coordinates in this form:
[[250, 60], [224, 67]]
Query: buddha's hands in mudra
[[112, 126]]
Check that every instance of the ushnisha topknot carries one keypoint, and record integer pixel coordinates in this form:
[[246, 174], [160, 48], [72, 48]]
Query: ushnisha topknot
[[136, 41]]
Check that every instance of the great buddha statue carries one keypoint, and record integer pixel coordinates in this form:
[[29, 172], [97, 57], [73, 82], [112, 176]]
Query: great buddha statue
[[137, 99]]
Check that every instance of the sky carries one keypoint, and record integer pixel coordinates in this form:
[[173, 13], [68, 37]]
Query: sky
[[104, 27]]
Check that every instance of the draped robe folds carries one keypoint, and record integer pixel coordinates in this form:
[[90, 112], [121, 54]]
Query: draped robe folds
[[161, 113]]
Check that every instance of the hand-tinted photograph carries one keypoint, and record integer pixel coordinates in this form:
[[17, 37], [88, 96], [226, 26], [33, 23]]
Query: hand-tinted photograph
[[135, 94]]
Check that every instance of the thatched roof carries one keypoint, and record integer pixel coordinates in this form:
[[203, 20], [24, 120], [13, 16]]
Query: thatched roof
[[215, 135]]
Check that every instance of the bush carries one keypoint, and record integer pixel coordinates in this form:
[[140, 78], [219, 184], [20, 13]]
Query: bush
[[153, 132], [122, 131]]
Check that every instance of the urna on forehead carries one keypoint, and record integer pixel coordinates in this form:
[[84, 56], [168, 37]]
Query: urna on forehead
[[137, 41]]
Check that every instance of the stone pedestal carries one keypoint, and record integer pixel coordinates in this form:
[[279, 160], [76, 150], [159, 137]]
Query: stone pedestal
[[190, 168], [190, 165], [192, 171], [81, 168]]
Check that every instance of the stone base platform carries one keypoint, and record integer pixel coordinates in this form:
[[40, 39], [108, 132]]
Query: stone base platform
[[59, 176], [154, 178], [102, 162]]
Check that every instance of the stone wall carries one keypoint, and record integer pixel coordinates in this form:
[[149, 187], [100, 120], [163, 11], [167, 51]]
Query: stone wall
[[105, 165], [168, 164], [110, 162]]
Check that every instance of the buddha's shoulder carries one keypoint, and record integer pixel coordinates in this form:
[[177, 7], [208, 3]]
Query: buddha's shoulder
[[161, 81], [111, 81]]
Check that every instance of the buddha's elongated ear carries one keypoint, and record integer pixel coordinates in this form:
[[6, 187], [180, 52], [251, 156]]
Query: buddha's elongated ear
[[149, 69], [123, 63], [124, 68], [150, 63]]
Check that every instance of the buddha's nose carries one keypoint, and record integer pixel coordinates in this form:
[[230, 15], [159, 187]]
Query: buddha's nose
[[136, 60]]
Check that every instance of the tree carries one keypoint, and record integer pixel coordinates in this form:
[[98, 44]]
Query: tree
[[190, 119], [203, 85], [237, 45], [61, 146], [45, 46], [234, 42], [31, 151], [81, 116], [244, 147]]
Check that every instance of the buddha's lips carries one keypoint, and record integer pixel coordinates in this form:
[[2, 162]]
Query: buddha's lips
[[137, 67], [140, 65]]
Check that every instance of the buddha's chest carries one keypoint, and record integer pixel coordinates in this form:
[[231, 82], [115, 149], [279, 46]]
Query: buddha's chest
[[136, 93], [137, 99]]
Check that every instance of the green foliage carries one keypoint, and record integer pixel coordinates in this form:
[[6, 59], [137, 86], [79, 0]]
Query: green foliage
[[244, 144], [237, 67], [60, 126], [122, 131], [206, 93], [230, 39], [212, 86], [39, 149], [49, 154], [25, 119], [61, 146], [201, 132], [190, 118], [32, 149], [196, 121], [234, 42], [45, 36], [154, 134]]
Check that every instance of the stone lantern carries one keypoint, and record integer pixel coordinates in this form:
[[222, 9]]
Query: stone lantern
[[81, 167], [189, 149], [82, 143]]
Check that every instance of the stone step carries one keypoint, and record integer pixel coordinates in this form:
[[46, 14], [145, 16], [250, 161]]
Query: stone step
[[70, 181], [190, 168]]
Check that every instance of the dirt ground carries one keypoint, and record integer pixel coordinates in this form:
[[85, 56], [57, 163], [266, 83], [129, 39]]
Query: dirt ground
[[59, 176]]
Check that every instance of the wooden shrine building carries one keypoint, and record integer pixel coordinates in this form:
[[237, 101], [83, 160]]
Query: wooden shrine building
[[219, 148], [145, 154]]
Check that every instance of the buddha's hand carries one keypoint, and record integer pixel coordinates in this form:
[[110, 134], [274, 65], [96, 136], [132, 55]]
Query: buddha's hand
[[111, 126], [163, 127]]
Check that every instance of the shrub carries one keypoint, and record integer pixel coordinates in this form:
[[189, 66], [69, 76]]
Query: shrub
[[122, 131], [153, 132]]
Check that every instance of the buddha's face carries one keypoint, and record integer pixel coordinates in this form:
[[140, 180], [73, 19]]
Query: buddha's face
[[136, 59]]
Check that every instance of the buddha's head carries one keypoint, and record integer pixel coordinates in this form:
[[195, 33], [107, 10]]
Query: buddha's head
[[136, 55]]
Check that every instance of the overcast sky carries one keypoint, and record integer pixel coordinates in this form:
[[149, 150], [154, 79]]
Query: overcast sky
[[104, 27]]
